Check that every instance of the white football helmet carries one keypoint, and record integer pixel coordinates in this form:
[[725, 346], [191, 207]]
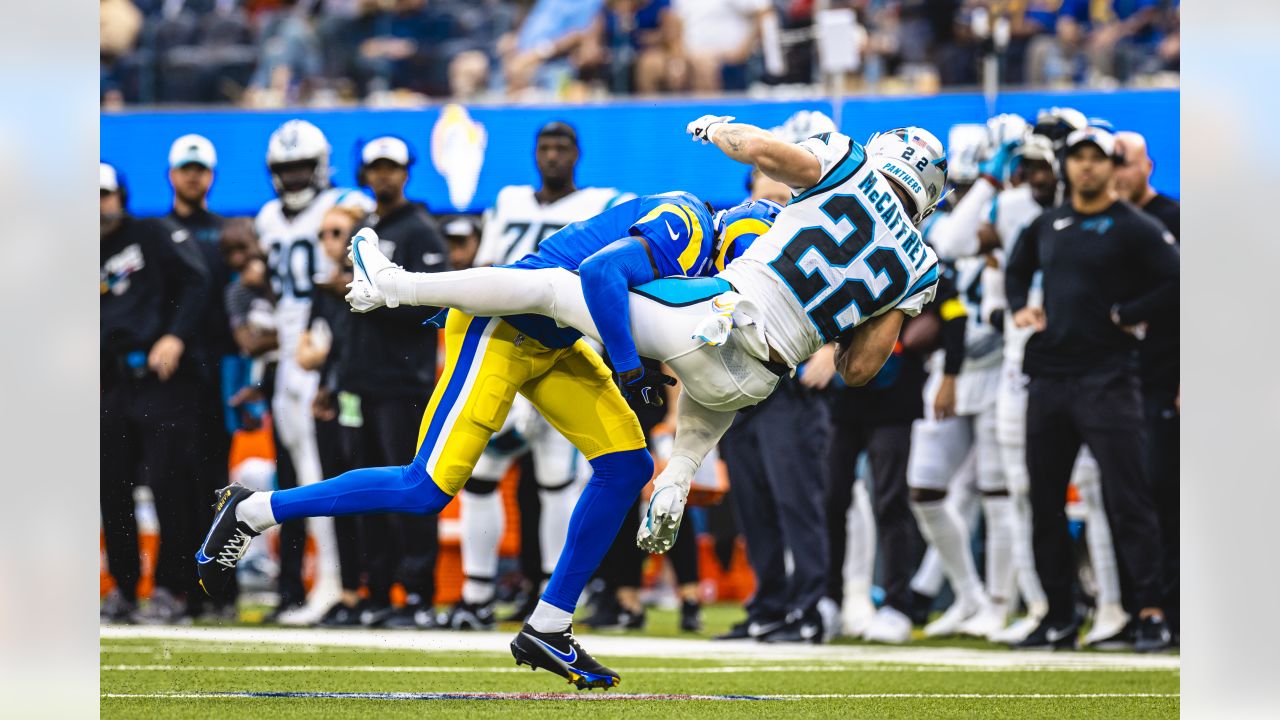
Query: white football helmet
[[1005, 128], [298, 141], [915, 160], [805, 124], [966, 149]]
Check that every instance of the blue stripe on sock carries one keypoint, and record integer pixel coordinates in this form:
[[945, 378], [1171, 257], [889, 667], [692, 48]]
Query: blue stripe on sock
[[458, 380]]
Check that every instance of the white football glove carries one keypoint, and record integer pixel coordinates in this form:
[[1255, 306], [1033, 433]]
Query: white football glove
[[367, 263], [666, 506], [700, 129]]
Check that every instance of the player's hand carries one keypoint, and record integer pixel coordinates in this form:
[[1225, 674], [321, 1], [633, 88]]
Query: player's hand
[[944, 403], [661, 522], [1031, 317], [820, 368], [1000, 164], [164, 356], [647, 385], [700, 129]]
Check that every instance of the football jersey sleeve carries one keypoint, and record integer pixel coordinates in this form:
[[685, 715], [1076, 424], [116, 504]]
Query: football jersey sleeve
[[831, 149], [922, 291], [678, 234]]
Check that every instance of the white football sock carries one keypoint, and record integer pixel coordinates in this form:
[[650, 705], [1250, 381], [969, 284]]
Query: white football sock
[[547, 618], [946, 532], [1001, 579], [1102, 554], [255, 511], [860, 544], [557, 508], [1023, 556], [482, 526]]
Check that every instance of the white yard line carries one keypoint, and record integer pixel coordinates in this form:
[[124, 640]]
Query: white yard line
[[630, 646], [459, 669], [592, 697]]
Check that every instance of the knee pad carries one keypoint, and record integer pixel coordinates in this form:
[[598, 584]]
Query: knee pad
[[629, 470], [425, 496]]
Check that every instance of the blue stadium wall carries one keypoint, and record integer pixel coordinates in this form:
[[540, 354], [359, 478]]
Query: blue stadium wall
[[632, 145]]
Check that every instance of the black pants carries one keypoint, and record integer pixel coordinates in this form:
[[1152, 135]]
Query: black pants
[[338, 454], [293, 534], [402, 546], [897, 538], [777, 459], [1104, 411], [147, 430], [212, 464], [623, 566], [1163, 442]]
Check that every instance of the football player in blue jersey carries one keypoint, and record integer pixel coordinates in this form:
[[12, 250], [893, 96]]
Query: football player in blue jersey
[[488, 361]]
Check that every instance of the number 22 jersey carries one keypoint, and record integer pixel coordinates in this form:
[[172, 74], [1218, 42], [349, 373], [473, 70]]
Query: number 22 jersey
[[840, 252]]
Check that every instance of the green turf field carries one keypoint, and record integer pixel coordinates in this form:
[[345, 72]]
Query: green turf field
[[208, 672]]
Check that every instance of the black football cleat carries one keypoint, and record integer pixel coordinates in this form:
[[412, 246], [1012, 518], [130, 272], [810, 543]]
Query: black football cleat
[[471, 616], [1050, 635], [226, 542], [561, 654]]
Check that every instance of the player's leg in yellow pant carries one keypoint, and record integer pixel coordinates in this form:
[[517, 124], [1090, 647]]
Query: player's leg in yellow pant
[[578, 397]]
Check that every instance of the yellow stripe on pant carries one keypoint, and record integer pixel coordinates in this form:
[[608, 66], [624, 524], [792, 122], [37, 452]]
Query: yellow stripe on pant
[[487, 361]]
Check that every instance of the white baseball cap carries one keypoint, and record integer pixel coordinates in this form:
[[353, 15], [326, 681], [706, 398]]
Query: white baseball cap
[[192, 149], [385, 148], [107, 178], [1099, 138]]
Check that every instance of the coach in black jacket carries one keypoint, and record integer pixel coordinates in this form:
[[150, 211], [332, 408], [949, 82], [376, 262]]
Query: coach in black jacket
[[1107, 268], [388, 360], [153, 287]]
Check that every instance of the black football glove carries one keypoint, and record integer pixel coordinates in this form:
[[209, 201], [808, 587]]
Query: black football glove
[[645, 384]]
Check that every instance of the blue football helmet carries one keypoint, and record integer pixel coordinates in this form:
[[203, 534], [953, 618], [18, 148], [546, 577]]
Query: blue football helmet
[[738, 227]]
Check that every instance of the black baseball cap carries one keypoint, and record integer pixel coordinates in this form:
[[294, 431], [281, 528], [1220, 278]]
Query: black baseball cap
[[558, 128]]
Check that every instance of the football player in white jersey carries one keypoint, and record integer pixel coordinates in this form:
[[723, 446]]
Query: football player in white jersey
[[521, 218], [843, 262], [1008, 214], [288, 228]]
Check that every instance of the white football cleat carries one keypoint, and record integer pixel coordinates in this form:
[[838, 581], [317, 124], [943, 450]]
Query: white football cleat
[[986, 622], [1019, 630], [857, 613], [888, 626], [955, 616], [1109, 622], [368, 262]]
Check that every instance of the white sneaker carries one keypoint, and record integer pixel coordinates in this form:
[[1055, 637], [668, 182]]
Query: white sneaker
[[989, 620], [888, 626], [1018, 631], [367, 262], [323, 595], [949, 624], [857, 614], [1109, 622]]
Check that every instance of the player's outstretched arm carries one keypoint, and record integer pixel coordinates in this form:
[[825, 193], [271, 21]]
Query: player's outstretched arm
[[785, 162], [862, 355], [698, 429]]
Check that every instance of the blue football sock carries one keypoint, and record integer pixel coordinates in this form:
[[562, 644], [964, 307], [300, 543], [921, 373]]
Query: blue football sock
[[401, 489], [608, 497]]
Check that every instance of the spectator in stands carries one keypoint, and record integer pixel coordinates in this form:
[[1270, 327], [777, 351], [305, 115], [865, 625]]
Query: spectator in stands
[[1057, 57], [153, 288], [119, 23], [1123, 38], [720, 37], [399, 47], [552, 31], [289, 58], [635, 47]]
